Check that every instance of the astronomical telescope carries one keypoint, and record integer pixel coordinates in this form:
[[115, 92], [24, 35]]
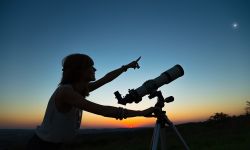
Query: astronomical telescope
[[150, 86]]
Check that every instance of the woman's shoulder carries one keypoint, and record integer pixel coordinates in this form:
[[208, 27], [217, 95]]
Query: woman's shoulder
[[63, 93], [64, 87]]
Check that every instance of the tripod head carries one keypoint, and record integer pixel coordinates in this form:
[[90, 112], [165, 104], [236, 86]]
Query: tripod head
[[160, 99], [161, 115]]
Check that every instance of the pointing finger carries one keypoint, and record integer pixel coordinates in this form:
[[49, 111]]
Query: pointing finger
[[138, 59]]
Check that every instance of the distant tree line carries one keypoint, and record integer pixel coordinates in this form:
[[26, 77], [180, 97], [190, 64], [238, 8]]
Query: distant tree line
[[223, 117], [219, 117]]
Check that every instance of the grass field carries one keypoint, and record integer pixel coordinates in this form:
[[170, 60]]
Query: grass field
[[220, 135]]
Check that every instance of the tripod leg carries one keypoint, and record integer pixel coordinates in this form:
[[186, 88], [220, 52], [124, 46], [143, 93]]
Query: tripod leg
[[155, 138], [178, 134], [163, 138]]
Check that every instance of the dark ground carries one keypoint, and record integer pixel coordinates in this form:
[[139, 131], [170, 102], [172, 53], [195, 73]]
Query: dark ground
[[230, 134]]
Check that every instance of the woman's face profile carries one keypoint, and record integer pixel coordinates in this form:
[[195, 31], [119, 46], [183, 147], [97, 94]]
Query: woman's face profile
[[89, 73]]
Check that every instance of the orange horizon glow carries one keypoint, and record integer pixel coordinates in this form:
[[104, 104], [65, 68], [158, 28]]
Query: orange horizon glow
[[30, 117], [95, 121]]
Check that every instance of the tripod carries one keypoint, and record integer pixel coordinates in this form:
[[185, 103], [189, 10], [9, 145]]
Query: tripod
[[162, 120]]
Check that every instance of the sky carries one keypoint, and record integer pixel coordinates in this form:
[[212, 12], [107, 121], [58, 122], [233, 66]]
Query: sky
[[210, 39]]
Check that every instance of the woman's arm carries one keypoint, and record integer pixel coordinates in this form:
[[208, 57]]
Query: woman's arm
[[112, 75], [68, 96]]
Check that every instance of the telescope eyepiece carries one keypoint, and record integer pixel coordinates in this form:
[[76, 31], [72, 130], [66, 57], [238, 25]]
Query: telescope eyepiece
[[118, 96]]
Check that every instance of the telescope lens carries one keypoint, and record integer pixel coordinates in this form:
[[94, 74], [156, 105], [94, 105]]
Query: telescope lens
[[173, 73], [180, 69]]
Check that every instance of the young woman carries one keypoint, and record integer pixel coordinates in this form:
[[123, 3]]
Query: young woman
[[64, 110]]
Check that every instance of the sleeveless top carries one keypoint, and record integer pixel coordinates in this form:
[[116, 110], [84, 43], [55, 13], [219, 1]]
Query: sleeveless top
[[59, 127]]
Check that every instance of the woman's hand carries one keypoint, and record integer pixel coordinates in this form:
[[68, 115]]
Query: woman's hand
[[134, 64], [150, 112]]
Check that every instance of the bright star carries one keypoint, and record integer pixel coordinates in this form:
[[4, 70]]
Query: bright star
[[235, 25]]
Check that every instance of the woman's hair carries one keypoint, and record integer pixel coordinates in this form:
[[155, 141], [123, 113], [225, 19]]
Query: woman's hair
[[72, 65]]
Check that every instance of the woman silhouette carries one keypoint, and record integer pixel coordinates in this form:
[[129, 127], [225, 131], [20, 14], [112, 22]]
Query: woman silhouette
[[63, 115]]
